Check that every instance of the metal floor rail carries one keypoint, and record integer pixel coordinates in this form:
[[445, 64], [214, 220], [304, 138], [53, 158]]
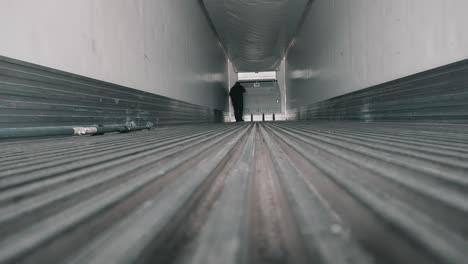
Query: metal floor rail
[[299, 192]]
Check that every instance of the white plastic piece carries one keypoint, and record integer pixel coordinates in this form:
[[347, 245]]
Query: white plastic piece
[[81, 131]]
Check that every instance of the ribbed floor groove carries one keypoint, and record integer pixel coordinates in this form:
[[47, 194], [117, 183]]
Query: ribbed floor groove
[[271, 192]]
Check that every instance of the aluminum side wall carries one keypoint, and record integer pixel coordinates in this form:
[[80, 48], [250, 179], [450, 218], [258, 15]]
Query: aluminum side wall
[[345, 45], [162, 47]]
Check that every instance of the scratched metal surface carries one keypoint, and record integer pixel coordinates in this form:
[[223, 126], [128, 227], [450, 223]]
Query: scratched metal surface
[[37, 96], [264, 99], [302, 192], [438, 95]]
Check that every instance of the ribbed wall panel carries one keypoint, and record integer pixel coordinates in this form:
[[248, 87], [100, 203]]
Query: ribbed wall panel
[[302, 192], [437, 95], [34, 96]]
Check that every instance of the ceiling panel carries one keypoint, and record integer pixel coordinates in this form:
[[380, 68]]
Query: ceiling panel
[[255, 33]]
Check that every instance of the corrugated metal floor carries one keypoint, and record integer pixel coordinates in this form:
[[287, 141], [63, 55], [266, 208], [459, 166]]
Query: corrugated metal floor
[[239, 193]]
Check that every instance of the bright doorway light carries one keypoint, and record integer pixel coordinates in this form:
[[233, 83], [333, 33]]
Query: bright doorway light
[[248, 76]]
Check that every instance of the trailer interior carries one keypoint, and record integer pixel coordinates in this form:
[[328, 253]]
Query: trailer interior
[[118, 142]]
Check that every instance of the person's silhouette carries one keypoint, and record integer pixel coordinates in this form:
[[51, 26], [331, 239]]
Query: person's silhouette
[[237, 98]]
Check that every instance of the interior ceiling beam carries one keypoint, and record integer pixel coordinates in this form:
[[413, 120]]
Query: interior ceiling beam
[[256, 34]]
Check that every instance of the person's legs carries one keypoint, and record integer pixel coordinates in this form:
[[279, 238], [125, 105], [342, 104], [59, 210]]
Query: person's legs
[[241, 111], [236, 109], [238, 116]]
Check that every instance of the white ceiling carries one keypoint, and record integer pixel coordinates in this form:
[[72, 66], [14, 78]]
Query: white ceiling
[[255, 33]]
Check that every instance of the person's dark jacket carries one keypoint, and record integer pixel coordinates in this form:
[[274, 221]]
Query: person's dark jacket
[[237, 91]]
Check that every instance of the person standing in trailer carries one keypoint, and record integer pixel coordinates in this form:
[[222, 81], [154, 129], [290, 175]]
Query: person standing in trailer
[[237, 98]]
